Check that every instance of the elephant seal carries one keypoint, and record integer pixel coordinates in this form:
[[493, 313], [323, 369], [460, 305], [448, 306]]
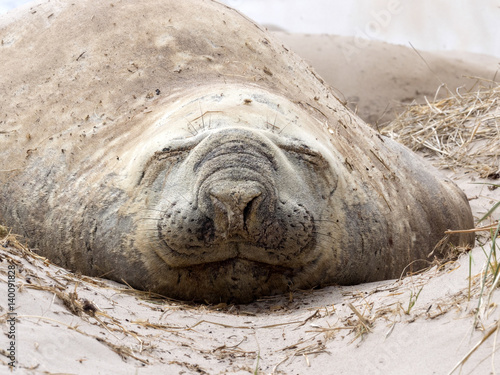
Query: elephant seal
[[176, 146]]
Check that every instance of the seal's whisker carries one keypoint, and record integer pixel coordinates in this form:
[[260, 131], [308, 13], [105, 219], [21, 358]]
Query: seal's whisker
[[202, 120], [136, 222], [323, 234], [193, 131], [284, 127], [148, 230]]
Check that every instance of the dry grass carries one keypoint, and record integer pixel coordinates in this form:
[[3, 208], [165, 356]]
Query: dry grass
[[463, 130]]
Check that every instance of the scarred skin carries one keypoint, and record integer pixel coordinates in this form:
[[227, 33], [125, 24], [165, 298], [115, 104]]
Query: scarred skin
[[176, 146]]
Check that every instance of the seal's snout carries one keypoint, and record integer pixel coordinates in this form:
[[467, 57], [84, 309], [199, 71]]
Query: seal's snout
[[238, 210], [237, 188], [235, 206]]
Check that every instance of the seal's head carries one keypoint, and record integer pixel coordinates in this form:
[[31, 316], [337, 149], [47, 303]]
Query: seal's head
[[233, 209], [237, 204]]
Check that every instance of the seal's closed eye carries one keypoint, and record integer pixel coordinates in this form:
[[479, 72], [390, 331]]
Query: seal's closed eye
[[304, 151], [181, 145]]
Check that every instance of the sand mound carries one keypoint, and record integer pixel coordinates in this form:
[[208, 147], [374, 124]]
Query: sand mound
[[379, 79]]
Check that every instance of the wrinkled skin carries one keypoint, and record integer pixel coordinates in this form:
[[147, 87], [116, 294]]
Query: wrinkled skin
[[199, 162]]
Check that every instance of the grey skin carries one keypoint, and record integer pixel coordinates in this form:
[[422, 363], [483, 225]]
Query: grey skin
[[178, 147]]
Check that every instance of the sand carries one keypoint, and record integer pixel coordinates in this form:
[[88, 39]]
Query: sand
[[422, 324]]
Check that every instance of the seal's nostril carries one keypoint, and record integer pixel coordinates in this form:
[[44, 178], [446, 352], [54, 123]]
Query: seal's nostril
[[235, 196], [233, 204], [250, 209]]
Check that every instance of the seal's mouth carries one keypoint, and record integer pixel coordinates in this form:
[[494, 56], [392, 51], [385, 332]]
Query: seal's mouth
[[231, 251]]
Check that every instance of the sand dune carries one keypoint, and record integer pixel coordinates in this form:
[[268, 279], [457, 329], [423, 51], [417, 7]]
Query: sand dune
[[377, 78]]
